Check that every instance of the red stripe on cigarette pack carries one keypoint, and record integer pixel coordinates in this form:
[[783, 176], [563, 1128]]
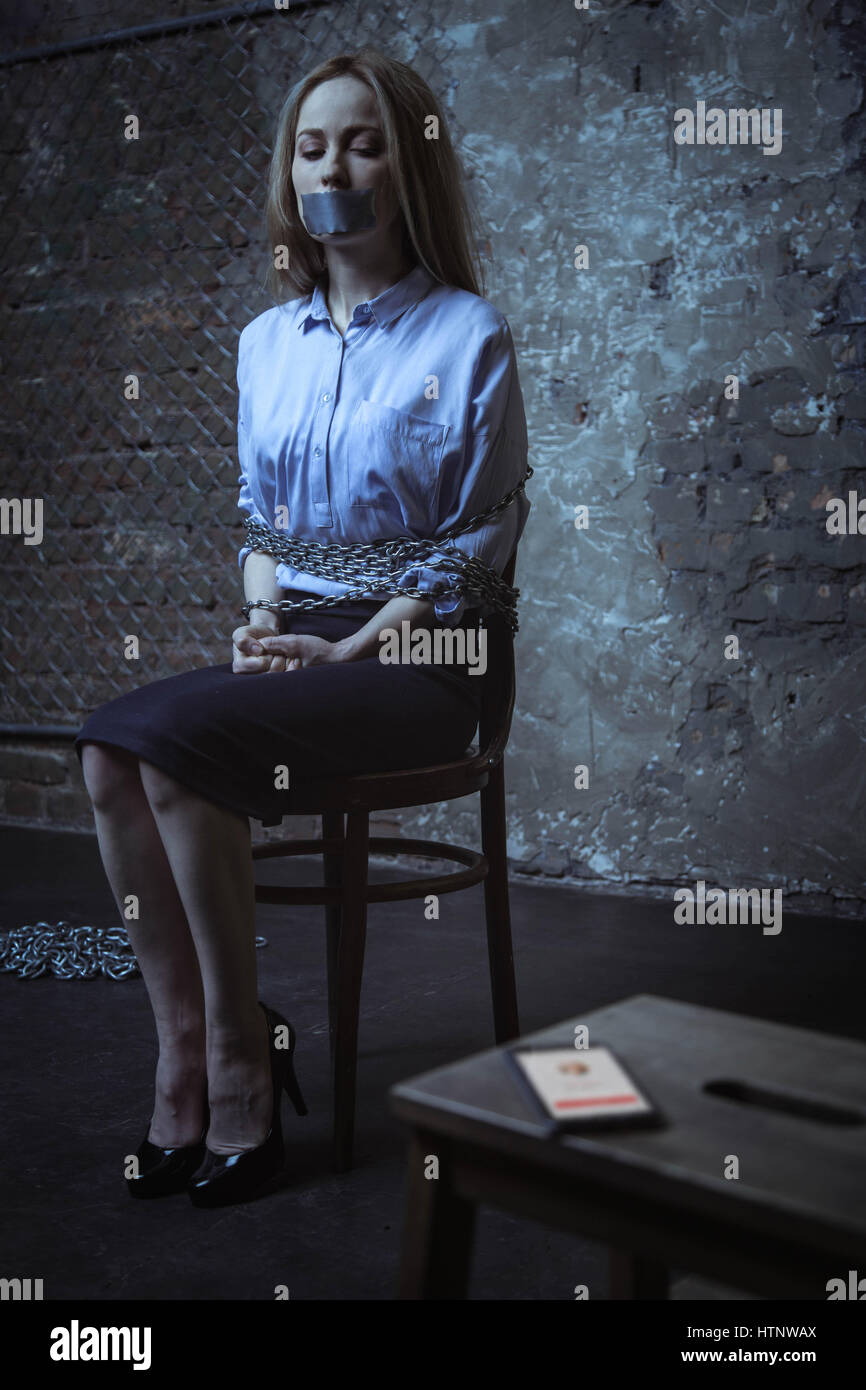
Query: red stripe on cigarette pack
[[603, 1100]]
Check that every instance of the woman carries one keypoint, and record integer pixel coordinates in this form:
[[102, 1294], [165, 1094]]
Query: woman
[[381, 399]]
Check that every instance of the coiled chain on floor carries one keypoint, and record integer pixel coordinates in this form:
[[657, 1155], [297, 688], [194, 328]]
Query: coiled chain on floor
[[70, 952], [67, 951], [376, 563]]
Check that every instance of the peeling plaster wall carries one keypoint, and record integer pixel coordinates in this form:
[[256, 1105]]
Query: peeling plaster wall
[[706, 515]]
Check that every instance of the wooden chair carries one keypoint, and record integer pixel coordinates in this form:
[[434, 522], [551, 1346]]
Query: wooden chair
[[345, 848]]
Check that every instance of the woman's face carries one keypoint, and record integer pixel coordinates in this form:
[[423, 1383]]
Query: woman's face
[[340, 145]]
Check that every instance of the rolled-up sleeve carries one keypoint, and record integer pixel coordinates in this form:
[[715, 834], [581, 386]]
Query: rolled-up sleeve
[[491, 461]]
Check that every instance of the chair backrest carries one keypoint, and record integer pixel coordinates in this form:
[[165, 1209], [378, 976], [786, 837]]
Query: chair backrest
[[498, 685]]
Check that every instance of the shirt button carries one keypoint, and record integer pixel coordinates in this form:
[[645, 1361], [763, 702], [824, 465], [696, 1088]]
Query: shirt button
[[326, 397], [316, 452], [365, 308]]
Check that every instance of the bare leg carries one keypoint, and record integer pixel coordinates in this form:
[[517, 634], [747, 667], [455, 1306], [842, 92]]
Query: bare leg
[[209, 851], [135, 863]]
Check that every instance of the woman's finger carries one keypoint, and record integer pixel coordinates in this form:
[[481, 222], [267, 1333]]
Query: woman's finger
[[250, 664], [284, 644]]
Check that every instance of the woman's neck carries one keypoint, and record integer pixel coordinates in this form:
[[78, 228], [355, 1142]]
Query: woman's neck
[[348, 284]]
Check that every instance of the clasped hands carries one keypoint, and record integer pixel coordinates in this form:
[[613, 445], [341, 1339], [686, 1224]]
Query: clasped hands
[[258, 650]]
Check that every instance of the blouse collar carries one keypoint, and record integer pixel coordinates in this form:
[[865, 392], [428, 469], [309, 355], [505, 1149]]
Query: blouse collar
[[386, 307]]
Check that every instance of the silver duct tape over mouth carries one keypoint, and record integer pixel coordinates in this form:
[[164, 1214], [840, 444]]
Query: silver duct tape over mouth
[[340, 210]]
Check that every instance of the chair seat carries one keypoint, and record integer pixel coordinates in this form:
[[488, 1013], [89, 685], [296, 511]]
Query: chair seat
[[379, 791]]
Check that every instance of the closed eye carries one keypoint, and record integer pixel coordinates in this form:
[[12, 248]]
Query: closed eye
[[316, 154]]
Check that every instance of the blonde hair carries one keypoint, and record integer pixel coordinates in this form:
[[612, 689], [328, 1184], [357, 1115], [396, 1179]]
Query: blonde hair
[[438, 224]]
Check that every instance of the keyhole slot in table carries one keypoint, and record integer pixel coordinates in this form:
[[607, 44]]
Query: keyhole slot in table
[[804, 1107]]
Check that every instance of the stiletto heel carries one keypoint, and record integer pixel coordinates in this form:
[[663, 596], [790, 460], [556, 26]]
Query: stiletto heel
[[290, 1081], [225, 1178]]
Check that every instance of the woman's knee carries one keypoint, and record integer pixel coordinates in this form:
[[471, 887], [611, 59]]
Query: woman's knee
[[110, 775], [163, 792]]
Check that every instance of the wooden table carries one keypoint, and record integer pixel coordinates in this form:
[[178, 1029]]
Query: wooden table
[[793, 1219]]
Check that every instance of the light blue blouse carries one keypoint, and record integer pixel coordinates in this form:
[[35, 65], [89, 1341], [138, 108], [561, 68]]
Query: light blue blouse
[[406, 426]]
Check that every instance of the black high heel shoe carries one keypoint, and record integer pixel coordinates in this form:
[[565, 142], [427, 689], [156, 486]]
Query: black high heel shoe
[[162, 1172], [225, 1178]]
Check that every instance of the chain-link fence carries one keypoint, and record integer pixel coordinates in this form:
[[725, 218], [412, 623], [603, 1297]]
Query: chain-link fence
[[130, 268]]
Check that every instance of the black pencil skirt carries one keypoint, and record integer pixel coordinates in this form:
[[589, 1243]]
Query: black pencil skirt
[[223, 733]]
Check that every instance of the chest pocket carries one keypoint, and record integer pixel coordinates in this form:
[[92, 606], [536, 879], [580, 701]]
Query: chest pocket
[[393, 463]]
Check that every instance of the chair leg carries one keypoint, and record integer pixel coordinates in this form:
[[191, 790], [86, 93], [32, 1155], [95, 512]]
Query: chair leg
[[332, 829], [353, 934], [496, 908]]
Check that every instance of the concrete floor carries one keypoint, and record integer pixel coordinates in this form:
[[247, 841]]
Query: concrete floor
[[80, 1057]]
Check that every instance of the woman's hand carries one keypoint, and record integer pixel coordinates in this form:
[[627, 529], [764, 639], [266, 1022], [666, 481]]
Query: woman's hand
[[292, 651], [247, 654], [258, 650]]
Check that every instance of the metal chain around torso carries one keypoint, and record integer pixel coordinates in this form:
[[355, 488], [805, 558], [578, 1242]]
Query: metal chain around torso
[[376, 563]]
